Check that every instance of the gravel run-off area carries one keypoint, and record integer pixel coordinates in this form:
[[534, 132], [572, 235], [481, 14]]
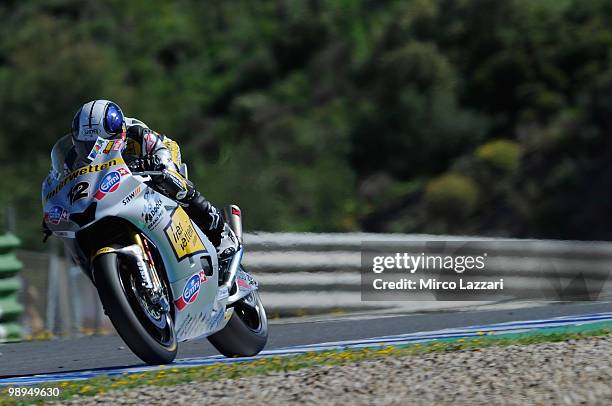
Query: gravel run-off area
[[572, 372]]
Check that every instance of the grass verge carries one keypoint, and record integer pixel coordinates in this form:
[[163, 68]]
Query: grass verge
[[172, 376]]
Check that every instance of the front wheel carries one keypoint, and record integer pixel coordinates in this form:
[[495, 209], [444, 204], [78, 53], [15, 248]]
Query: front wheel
[[149, 335], [246, 333]]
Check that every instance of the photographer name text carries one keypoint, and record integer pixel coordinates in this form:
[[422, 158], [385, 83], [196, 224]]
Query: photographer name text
[[433, 284]]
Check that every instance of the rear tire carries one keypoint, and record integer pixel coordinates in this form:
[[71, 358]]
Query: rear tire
[[241, 337], [127, 317]]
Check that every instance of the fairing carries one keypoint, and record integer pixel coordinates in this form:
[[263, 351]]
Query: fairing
[[189, 258]]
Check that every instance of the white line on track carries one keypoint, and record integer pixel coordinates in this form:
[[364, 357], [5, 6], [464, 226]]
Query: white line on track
[[400, 339]]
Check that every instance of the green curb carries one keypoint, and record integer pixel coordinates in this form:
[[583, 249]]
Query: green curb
[[8, 286], [9, 265], [8, 242], [10, 309], [10, 332]]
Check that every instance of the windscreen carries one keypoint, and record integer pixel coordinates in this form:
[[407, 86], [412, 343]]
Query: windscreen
[[59, 152]]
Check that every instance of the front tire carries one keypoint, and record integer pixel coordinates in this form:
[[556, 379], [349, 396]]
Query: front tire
[[246, 333], [151, 344]]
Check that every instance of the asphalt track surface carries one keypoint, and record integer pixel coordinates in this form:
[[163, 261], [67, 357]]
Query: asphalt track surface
[[86, 353]]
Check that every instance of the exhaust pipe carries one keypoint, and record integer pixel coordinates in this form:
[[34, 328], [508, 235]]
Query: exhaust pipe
[[233, 216]]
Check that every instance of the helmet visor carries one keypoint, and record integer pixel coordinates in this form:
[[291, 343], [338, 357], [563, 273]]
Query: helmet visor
[[113, 119]]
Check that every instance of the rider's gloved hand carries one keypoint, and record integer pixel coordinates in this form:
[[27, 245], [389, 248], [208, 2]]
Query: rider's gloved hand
[[151, 163], [136, 165]]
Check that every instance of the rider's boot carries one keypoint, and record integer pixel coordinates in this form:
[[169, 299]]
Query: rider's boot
[[212, 223]]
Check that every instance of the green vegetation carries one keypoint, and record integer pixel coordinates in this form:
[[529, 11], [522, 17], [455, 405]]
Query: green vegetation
[[452, 194], [173, 376], [500, 154], [333, 115]]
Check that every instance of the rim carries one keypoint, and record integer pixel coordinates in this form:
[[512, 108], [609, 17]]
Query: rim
[[154, 315], [252, 313], [158, 325]]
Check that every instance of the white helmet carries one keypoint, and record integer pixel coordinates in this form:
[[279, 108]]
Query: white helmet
[[98, 118]]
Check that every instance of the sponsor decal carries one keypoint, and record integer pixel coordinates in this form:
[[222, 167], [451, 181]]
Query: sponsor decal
[[55, 215], [183, 238], [109, 183], [185, 327], [131, 195], [191, 290], [248, 278], [216, 317], [245, 280], [78, 192], [222, 293], [108, 147], [243, 284], [153, 211], [96, 149], [83, 171], [114, 145], [104, 147], [89, 134], [91, 131]]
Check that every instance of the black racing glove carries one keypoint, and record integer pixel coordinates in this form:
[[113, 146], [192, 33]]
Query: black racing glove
[[152, 163], [136, 165]]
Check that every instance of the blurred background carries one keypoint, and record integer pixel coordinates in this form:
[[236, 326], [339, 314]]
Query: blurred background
[[472, 117]]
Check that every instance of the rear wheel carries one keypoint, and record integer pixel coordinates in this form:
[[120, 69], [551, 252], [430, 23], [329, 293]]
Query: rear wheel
[[148, 332], [246, 333]]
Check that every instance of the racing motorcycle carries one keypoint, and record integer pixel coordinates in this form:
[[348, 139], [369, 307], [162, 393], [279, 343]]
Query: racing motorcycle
[[157, 275]]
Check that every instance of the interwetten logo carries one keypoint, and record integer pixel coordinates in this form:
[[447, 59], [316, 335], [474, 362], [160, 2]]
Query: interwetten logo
[[83, 171]]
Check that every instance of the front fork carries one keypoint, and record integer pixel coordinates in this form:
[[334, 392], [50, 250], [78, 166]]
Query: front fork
[[140, 253], [149, 275]]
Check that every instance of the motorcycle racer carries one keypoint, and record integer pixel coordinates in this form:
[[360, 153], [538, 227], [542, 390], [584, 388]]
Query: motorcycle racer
[[143, 148]]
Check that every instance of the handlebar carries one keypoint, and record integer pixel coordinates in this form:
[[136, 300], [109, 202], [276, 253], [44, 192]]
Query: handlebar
[[148, 173]]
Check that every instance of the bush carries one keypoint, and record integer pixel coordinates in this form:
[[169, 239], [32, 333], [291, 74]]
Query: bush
[[416, 62], [500, 154], [452, 195]]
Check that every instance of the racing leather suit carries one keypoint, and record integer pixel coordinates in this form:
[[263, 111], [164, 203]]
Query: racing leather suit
[[146, 149], [152, 151]]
